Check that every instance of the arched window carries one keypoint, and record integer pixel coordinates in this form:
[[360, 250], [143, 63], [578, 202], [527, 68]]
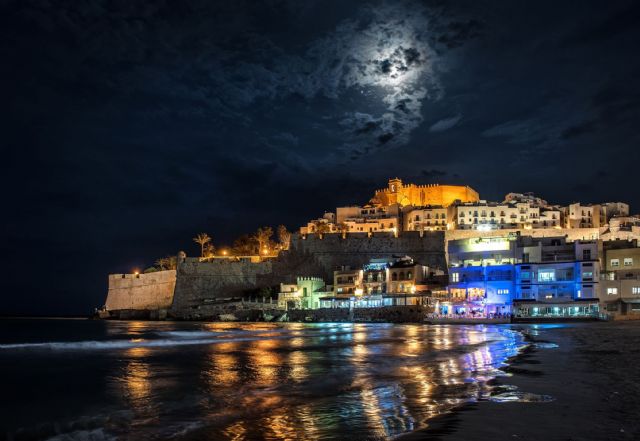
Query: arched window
[[394, 276], [409, 275], [401, 276]]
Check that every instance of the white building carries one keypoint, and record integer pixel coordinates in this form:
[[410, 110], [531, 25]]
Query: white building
[[485, 216]]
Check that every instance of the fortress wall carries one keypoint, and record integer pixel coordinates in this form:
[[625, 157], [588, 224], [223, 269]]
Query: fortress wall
[[199, 283], [142, 292], [356, 249]]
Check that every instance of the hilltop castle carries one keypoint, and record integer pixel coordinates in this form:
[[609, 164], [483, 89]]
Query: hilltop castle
[[422, 195]]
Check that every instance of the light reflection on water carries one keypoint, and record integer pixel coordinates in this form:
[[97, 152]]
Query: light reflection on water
[[296, 381]]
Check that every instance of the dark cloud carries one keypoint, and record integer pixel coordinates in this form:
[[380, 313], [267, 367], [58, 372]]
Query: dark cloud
[[580, 129], [457, 33]]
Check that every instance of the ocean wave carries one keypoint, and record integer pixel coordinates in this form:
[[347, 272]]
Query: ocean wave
[[191, 334], [182, 339]]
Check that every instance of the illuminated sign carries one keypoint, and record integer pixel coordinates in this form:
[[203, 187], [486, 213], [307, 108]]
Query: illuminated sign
[[375, 266], [486, 244]]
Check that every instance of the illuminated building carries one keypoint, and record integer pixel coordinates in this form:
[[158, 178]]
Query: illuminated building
[[620, 284], [431, 218], [422, 195], [556, 279], [384, 282], [481, 276], [578, 215], [524, 275], [304, 294], [483, 215]]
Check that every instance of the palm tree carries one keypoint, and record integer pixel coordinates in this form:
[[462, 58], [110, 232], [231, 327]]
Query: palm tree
[[202, 239], [162, 263], [209, 250], [172, 262]]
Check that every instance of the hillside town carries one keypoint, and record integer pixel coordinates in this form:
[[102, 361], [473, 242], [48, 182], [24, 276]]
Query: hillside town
[[522, 257], [440, 249]]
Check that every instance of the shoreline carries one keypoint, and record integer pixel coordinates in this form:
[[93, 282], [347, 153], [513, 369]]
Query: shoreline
[[592, 384]]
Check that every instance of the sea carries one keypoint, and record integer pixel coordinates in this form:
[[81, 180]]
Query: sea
[[66, 379]]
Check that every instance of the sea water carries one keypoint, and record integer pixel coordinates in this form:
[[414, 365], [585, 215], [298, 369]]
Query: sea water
[[133, 380]]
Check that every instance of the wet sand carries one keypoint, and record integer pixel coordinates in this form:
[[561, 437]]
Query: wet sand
[[593, 376]]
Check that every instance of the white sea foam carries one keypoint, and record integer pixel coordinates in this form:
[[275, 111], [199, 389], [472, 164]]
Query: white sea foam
[[182, 339], [191, 334]]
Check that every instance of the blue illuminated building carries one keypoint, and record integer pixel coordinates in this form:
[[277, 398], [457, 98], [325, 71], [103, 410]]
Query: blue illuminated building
[[556, 279], [481, 277], [528, 277]]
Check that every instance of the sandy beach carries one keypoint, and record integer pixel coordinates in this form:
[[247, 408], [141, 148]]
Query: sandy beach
[[591, 378]]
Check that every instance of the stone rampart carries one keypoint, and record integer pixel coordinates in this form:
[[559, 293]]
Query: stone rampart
[[201, 283], [150, 291], [356, 249]]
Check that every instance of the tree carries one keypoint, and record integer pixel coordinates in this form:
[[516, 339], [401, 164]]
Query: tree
[[263, 236], [202, 239], [162, 263], [343, 227], [244, 245], [284, 236], [209, 250], [172, 262]]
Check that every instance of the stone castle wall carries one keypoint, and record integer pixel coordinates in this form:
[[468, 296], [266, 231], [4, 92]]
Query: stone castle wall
[[150, 291], [201, 283], [356, 249]]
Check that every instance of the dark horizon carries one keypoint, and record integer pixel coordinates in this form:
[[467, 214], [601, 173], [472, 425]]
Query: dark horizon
[[129, 128]]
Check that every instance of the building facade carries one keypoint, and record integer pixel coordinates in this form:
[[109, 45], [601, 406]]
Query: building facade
[[620, 284]]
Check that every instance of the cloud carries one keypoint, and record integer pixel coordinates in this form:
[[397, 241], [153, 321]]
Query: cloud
[[457, 33], [445, 124], [579, 129]]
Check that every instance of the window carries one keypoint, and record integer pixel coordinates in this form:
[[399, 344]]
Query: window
[[635, 290], [615, 262], [587, 275], [455, 277], [586, 254], [526, 275], [628, 261], [612, 291], [635, 307], [503, 291], [546, 275]]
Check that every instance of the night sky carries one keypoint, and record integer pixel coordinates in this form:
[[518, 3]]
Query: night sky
[[128, 127]]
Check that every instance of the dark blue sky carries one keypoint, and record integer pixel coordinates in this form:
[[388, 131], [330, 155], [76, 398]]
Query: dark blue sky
[[127, 127]]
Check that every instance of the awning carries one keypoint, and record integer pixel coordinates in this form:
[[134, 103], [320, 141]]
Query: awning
[[631, 301]]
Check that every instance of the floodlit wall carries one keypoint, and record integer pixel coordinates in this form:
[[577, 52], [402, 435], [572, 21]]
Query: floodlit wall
[[142, 291]]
